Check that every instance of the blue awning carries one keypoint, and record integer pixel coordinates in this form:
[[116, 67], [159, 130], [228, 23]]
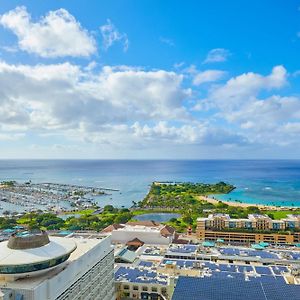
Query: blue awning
[[208, 244]]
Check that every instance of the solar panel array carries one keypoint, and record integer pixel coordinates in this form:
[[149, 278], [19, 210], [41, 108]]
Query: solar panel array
[[296, 255], [144, 263], [242, 272], [208, 288], [249, 252], [183, 248], [139, 275]]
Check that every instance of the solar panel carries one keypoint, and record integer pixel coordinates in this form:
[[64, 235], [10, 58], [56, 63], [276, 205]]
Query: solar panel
[[279, 269], [139, 276], [263, 270], [145, 264], [243, 269], [210, 288], [183, 248]]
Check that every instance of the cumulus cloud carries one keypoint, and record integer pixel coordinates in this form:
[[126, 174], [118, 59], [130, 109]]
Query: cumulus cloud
[[195, 133], [118, 106], [66, 97], [57, 34], [167, 41], [130, 107], [208, 76], [241, 89], [264, 120], [217, 55], [7, 137], [111, 35]]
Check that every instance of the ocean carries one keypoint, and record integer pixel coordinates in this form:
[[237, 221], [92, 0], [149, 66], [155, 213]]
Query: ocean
[[271, 182]]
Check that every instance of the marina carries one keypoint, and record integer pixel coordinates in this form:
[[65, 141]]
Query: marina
[[18, 197]]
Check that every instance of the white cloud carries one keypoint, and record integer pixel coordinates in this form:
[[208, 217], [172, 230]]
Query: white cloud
[[10, 49], [292, 128], [264, 120], [66, 97], [161, 130], [217, 55], [106, 107], [241, 89], [10, 136], [111, 35], [197, 133], [167, 41], [58, 34], [208, 76], [125, 107]]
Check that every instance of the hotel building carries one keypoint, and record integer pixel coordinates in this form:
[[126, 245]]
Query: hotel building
[[148, 232], [41, 267], [256, 228]]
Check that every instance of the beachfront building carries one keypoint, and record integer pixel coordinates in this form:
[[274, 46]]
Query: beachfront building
[[35, 266], [256, 228], [147, 232]]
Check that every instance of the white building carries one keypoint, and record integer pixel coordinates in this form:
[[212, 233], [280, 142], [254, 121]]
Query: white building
[[38, 267], [148, 232]]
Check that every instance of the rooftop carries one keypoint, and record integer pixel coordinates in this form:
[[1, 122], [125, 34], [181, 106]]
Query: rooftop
[[227, 289], [238, 271], [140, 274], [24, 250], [83, 246]]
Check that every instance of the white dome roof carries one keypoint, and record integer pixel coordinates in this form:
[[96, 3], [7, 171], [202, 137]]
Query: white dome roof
[[57, 247]]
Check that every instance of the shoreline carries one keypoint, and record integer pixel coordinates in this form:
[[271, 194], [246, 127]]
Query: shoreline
[[245, 205]]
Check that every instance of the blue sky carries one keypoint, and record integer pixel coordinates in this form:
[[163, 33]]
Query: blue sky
[[149, 79]]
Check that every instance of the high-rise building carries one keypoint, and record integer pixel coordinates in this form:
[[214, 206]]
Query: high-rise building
[[41, 267]]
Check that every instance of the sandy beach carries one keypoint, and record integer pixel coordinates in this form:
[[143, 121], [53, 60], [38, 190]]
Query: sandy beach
[[239, 204]]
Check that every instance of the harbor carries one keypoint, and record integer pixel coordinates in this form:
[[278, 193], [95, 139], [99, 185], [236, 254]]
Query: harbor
[[17, 197]]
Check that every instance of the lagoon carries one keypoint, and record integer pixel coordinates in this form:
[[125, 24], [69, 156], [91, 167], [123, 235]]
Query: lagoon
[[157, 217]]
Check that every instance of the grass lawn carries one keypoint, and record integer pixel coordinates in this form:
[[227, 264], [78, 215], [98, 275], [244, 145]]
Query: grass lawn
[[152, 211], [279, 214]]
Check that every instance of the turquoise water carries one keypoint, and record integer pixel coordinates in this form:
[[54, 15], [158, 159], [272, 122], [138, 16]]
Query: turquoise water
[[257, 181], [157, 217]]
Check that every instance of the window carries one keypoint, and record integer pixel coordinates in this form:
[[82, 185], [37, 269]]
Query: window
[[291, 224], [248, 225], [135, 288], [154, 289], [145, 288], [16, 269], [232, 224]]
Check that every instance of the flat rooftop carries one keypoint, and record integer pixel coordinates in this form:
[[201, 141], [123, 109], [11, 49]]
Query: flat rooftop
[[269, 254], [245, 272], [193, 288], [139, 228], [141, 274]]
